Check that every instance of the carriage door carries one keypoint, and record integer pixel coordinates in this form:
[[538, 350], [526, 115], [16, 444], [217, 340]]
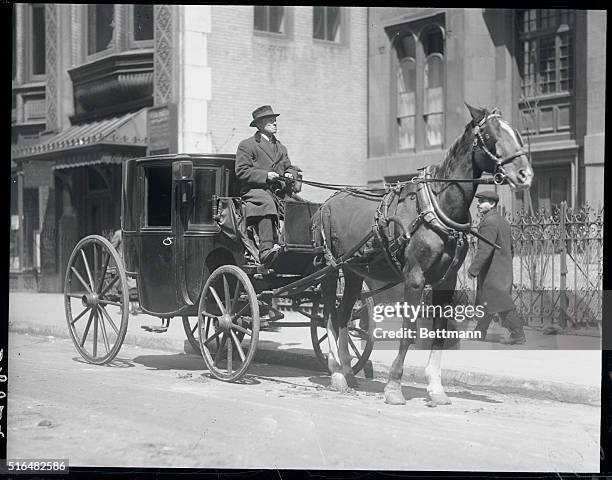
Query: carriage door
[[158, 241]]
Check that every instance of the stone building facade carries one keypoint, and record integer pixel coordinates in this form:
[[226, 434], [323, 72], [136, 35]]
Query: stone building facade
[[96, 84], [544, 68]]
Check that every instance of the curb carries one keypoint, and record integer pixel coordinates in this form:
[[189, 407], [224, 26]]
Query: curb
[[532, 388], [305, 359]]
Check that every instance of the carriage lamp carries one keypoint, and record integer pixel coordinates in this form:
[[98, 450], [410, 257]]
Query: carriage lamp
[[182, 171]]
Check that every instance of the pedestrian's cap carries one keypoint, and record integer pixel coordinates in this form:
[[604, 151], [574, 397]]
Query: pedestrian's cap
[[488, 195], [263, 111]]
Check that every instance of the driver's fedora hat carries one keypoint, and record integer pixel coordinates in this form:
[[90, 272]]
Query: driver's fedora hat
[[261, 112]]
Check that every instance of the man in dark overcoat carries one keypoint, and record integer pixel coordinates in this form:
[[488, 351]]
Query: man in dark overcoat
[[493, 269], [262, 163]]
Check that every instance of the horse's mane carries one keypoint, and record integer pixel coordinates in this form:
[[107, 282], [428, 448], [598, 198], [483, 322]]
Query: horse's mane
[[459, 148]]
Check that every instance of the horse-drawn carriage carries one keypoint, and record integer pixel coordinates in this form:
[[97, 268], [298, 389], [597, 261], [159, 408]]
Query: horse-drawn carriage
[[184, 245]]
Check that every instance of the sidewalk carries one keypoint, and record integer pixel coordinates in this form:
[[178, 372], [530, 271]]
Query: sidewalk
[[563, 375]]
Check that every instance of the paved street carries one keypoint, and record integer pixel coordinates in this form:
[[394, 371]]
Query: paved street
[[156, 408]]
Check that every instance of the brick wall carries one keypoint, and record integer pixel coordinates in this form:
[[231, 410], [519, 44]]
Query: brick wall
[[319, 89]]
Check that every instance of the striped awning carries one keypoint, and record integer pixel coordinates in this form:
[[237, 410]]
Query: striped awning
[[125, 130]]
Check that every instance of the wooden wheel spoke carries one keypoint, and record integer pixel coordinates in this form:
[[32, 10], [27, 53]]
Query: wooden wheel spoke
[[110, 320], [109, 286], [236, 297], [322, 338], [240, 328], [217, 299], [78, 275], [95, 270], [229, 355], [238, 347], [241, 312], [110, 302], [72, 322], [193, 330], [219, 354], [103, 271], [104, 336], [87, 328], [208, 322], [212, 337], [226, 292], [350, 341], [91, 283], [95, 334]]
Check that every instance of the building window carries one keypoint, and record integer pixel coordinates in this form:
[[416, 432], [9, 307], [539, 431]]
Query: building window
[[433, 87], [326, 23], [546, 51], [37, 45], [269, 18], [406, 92], [143, 22], [100, 27], [419, 86]]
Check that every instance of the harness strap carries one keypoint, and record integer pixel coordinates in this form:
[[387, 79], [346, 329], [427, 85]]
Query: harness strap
[[380, 229], [458, 257], [329, 257]]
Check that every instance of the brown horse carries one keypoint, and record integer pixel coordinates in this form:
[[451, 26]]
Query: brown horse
[[432, 256]]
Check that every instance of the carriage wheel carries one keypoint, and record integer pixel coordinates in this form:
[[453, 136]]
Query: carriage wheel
[[96, 299], [360, 328], [228, 313], [190, 325], [191, 329]]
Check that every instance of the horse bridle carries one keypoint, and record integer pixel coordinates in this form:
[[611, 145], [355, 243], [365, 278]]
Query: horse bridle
[[499, 175]]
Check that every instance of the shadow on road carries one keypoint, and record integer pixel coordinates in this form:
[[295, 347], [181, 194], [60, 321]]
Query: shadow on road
[[116, 363], [177, 361], [410, 392], [189, 362]]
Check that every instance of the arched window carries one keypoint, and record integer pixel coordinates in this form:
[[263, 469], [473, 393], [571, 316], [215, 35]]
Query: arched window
[[406, 92], [433, 86]]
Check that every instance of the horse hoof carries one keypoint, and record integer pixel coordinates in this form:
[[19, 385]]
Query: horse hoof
[[351, 381], [394, 397], [439, 399], [338, 383]]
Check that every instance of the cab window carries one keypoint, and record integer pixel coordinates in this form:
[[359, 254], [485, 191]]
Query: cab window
[[207, 182], [158, 196]]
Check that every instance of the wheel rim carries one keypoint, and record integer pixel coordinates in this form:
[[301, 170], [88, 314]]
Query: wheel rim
[[360, 338], [96, 299], [228, 321]]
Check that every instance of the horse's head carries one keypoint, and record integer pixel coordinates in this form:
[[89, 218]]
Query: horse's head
[[502, 148]]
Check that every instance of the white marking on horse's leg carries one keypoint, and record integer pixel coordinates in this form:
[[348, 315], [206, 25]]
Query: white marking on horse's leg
[[433, 373], [343, 352], [333, 358], [338, 381]]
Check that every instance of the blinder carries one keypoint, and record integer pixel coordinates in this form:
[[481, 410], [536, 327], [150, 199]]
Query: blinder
[[499, 175]]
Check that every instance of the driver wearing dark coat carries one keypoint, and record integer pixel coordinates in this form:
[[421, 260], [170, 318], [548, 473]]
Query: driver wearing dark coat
[[262, 163]]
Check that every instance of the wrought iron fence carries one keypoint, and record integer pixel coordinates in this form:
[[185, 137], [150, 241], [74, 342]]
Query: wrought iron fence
[[558, 267]]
